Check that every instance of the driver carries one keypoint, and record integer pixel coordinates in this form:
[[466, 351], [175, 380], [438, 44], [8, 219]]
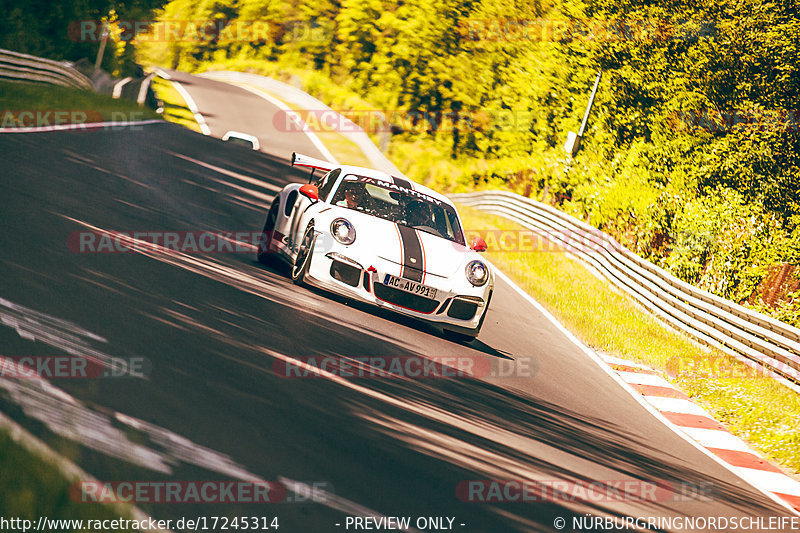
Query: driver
[[353, 196], [417, 214]]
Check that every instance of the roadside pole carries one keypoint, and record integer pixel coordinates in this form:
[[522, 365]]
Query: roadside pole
[[102, 49]]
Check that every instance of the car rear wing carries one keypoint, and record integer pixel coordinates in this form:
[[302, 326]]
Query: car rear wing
[[300, 160]]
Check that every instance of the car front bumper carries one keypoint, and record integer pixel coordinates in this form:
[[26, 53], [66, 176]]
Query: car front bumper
[[456, 306]]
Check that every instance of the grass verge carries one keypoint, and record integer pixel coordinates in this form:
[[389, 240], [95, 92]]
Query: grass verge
[[175, 108], [33, 487], [80, 105], [754, 407]]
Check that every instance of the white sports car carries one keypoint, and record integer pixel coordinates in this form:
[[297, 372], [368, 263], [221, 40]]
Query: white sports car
[[380, 239]]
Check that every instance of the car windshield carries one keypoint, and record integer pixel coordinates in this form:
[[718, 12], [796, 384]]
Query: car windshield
[[397, 204]]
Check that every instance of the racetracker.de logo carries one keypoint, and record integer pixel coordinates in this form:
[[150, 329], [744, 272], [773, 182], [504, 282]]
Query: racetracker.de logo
[[400, 120], [37, 118], [190, 242], [401, 366], [585, 29], [205, 31], [404, 367], [73, 367], [211, 492], [527, 241]]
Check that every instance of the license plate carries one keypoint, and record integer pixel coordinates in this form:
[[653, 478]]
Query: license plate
[[410, 286]]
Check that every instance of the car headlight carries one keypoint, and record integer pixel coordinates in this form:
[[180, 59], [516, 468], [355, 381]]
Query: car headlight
[[477, 273], [343, 231]]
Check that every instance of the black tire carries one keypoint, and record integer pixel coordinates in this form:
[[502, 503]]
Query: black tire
[[460, 338], [265, 255], [303, 259]]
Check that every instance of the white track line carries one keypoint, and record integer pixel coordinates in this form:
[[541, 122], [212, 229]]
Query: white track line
[[639, 378], [677, 405], [285, 108], [82, 126], [713, 438], [611, 360], [201, 121]]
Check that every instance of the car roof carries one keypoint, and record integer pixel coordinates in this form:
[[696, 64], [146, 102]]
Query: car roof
[[372, 173]]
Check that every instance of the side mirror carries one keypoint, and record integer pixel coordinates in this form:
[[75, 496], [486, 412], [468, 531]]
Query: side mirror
[[478, 244], [310, 191]]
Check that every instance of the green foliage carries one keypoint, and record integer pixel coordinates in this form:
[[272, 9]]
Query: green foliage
[[34, 96], [53, 29], [690, 156], [32, 487]]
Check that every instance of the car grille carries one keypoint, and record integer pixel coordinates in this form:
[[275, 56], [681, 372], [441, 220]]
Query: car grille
[[462, 310], [345, 273], [405, 299]]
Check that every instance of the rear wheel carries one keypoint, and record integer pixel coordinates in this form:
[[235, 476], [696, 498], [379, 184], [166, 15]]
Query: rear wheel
[[265, 255], [303, 259]]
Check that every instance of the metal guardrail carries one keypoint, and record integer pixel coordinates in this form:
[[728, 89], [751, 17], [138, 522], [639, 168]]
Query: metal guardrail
[[18, 66], [754, 338]]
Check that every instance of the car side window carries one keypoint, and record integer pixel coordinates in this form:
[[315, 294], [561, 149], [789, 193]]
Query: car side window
[[326, 183]]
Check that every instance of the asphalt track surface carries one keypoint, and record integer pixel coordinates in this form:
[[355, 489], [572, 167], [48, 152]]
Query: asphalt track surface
[[226, 107], [212, 327]]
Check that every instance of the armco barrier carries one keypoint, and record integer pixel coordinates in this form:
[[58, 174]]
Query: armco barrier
[[17, 66], [752, 337]]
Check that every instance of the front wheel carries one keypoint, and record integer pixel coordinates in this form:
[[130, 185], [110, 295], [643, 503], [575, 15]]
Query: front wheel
[[303, 259]]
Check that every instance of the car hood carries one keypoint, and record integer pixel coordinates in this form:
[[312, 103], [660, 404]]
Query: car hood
[[405, 246]]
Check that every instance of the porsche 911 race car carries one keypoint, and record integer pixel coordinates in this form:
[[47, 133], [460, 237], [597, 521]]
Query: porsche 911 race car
[[380, 239]]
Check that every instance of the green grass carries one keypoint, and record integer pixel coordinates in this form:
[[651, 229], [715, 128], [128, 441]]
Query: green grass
[[22, 96], [345, 151], [175, 109], [31, 487], [754, 407]]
